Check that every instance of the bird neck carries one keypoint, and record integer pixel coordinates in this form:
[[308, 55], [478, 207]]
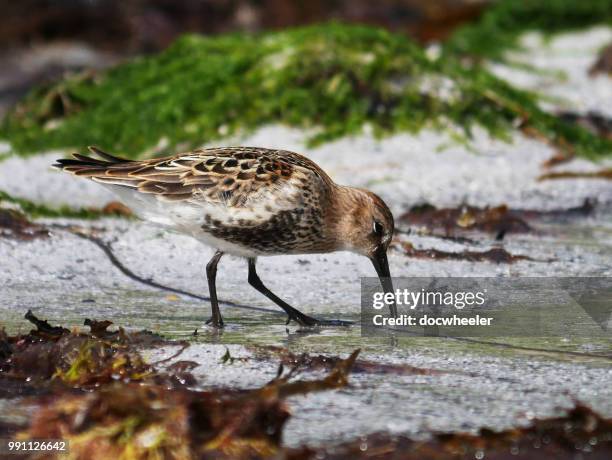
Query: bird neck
[[346, 213]]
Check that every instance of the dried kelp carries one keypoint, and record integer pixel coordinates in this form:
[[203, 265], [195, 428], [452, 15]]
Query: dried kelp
[[601, 174], [52, 357], [5, 347], [138, 422], [15, 225], [495, 255], [558, 158], [115, 208], [99, 328], [52, 353], [153, 421], [465, 218], [582, 433], [43, 328], [307, 362], [559, 215], [603, 64], [498, 220]]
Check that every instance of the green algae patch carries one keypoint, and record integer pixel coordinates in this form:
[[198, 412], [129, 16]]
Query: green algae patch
[[332, 80], [501, 25], [36, 210]]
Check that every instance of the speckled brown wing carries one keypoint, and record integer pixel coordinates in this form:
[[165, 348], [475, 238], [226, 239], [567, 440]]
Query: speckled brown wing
[[234, 176], [242, 200]]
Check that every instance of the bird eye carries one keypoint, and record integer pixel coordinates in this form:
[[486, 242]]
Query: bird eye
[[378, 228]]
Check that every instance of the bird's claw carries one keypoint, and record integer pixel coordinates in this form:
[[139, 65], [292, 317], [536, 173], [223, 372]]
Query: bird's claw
[[302, 320], [307, 321]]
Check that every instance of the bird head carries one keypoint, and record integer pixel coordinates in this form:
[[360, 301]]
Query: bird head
[[365, 226]]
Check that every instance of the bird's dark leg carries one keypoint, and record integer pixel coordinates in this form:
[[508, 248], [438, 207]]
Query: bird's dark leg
[[211, 274], [295, 315]]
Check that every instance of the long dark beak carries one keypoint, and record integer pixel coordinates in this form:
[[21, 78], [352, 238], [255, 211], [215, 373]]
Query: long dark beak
[[381, 264]]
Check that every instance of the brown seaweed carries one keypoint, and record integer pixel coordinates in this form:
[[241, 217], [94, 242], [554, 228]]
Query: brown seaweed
[[307, 362], [141, 421], [499, 220], [601, 174], [52, 357], [603, 64], [115, 208], [581, 433], [95, 391], [133, 421], [14, 224], [99, 328], [465, 218], [43, 328], [495, 255]]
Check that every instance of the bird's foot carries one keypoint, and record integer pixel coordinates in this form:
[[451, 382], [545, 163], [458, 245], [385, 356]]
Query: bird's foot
[[308, 321], [335, 322], [302, 320], [217, 323]]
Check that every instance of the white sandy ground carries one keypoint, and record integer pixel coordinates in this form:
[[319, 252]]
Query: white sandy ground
[[571, 55], [66, 279]]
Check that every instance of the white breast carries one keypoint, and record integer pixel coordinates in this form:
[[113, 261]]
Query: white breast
[[188, 218]]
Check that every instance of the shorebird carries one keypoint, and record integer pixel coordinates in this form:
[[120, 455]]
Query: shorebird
[[248, 202]]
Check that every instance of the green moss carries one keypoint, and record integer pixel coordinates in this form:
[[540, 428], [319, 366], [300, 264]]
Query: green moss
[[36, 210], [331, 79], [501, 25]]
